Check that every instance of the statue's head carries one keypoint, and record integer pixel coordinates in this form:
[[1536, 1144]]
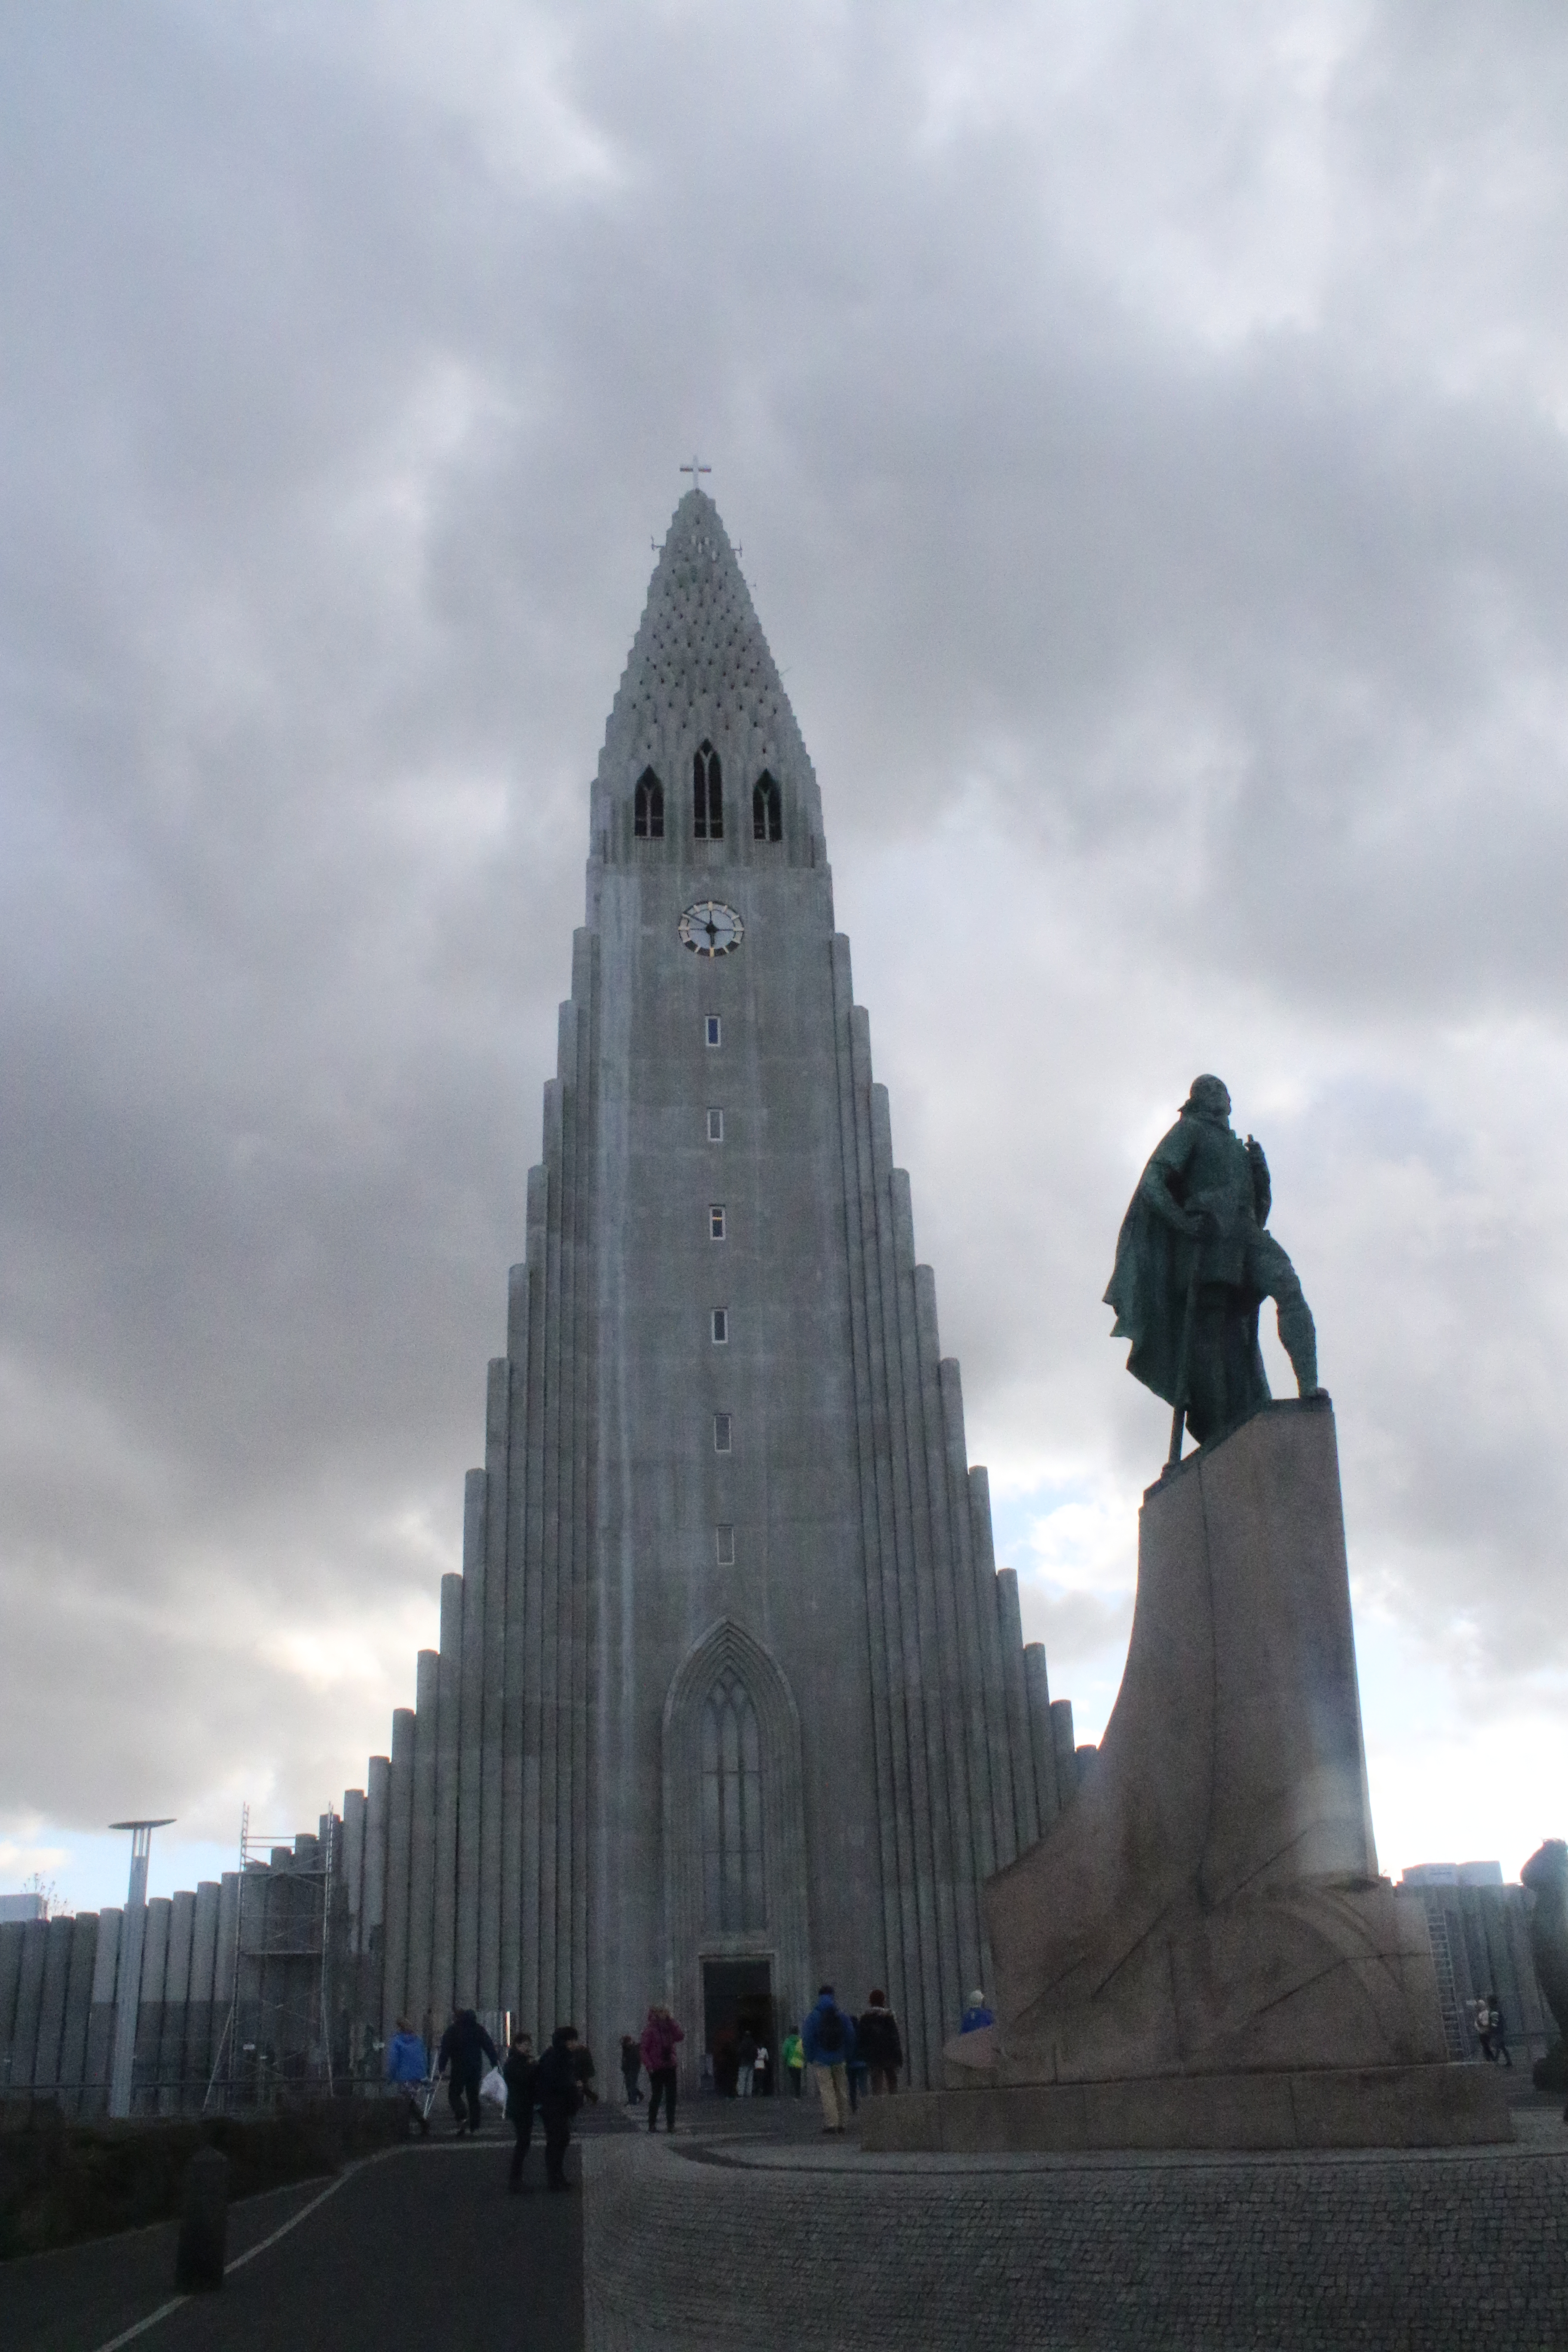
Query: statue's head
[[1209, 1098]]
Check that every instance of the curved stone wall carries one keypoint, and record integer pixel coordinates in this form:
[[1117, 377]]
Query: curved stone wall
[[1287, 2252]]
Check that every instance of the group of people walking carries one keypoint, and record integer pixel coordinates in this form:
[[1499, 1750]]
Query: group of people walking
[[1490, 2030], [552, 2087], [847, 2055]]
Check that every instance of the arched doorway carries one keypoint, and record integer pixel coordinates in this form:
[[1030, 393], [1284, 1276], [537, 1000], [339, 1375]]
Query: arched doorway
[[737, 1937]]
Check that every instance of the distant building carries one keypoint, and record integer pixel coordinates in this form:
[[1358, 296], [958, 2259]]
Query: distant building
[[1480, 1930], [248, 1989], [31, 1906], [1452, 1874]]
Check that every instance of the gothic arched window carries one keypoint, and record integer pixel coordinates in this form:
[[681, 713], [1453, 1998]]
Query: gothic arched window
[[733, 1897], [767, 809], [707, 796], [648, 809]]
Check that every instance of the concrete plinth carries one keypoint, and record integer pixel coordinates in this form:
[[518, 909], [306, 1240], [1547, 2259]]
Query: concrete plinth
[[1204, 1933], [1365, 2106]]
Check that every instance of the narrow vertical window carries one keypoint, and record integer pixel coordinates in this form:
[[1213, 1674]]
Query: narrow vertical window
[[724, 1546], [721, 1326], [711, 1030], [715, 1126], [715, 1220], [734, 1898], [648, 808], [707, 796], [767, 809], [723, 1425]]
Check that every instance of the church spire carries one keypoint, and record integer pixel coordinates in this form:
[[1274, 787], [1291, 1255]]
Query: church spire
[[701, 713]]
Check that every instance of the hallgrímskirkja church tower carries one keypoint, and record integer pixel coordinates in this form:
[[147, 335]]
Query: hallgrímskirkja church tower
[[731, 1696]]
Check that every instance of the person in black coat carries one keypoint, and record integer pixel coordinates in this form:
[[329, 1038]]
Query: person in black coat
[[585, 2071], [521, 2069], [877, 2040], [631, 2067], [560, 2096], [465, 2046]]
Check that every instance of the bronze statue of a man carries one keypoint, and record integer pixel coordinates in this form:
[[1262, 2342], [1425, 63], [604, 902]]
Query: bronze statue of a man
[[1193, 1264]]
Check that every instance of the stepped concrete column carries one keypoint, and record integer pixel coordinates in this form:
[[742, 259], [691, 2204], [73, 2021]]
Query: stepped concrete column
[[132, 1933]]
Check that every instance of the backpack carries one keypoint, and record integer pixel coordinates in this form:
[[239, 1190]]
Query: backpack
[[830, 2032]]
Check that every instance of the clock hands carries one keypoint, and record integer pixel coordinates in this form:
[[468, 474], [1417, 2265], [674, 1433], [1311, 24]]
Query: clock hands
[[710, 929]]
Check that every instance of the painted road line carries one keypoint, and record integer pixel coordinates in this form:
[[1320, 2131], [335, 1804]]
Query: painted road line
[[129, 2334]]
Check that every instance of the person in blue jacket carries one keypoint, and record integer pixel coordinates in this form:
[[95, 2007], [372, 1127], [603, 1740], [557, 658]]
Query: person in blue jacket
[[829, 2038], [407, 2066], [976, 2015]]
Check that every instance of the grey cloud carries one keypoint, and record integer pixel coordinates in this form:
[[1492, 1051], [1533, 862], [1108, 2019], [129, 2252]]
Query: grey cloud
[[1074, 1627], [1154, 488]]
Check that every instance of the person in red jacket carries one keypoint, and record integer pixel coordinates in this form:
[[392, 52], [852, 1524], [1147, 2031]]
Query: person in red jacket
[[659, 2037]]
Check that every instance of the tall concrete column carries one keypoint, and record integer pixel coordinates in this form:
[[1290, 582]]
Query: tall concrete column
[[132, 1933], [1036, 1685], [449, 1764], [1025, 1810]]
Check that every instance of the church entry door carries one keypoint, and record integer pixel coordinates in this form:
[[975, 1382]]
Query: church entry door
[[737, 1997]]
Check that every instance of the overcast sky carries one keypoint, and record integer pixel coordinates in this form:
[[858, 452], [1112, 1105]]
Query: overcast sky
[[1144, 427]]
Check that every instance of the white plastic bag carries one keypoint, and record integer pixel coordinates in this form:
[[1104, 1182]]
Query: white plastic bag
[[493, 2087]]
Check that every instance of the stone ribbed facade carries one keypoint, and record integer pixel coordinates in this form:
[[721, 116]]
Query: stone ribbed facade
[[785, 1513]]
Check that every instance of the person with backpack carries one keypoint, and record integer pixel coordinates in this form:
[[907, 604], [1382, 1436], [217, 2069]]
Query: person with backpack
[[464, 2046], [795, 2059], [631, 2067], [659, 2037], [830, 2039], [520, 2071], [560, 2096], [879, 2044], [406, 2067]]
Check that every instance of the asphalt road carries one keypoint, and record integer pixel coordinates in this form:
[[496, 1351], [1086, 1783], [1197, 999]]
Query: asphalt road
[[420, 2247]]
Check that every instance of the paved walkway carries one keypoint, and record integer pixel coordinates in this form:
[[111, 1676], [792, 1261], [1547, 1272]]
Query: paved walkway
[[419, 2247], [424, 2247]]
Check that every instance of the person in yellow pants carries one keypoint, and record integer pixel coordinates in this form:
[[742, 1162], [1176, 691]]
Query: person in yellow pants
[[829, 2038]]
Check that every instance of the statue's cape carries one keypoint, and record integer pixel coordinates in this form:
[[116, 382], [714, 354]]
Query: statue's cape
[[1148, 1288]]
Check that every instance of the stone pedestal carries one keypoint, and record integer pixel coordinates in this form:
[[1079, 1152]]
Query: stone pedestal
[[1208, 1912]]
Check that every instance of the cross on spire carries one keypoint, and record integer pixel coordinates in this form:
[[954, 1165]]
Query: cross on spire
[[695, 469]]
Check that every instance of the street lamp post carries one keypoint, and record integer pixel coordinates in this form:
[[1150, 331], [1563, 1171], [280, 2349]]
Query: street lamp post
[[133, 1928]]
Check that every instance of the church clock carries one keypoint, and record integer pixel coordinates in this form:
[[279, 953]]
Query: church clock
[[710, 928]]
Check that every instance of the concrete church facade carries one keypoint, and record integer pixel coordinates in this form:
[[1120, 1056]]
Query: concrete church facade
[[730, 1695]]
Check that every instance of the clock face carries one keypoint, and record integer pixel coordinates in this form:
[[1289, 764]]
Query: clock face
[[712, 930]]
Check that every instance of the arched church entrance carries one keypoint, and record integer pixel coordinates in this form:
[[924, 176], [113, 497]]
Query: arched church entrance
[[737, 1936]]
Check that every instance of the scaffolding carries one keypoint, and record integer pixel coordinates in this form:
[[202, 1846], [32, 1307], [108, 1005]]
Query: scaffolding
[[278, 2035]]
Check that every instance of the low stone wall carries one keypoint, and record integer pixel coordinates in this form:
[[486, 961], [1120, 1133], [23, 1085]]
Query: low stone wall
[[1329, 2107], [1408, 2253], [61, 2181]]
